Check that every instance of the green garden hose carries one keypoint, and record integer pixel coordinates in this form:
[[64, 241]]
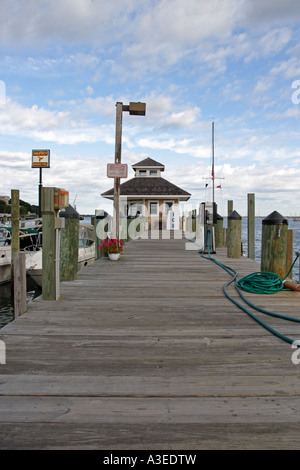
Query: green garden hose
[[262, 282]]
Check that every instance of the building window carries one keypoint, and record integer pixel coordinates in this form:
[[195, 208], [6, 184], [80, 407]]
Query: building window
[[135, 208], [153, 172], [153, 208], [142, 172]]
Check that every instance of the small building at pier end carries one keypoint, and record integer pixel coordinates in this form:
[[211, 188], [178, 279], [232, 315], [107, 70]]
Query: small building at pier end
[[150, 195]]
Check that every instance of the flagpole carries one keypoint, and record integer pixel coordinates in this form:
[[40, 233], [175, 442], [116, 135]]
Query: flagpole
[[213, 163]]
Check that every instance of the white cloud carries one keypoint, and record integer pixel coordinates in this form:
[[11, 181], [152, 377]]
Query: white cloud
[[54, 126], [289, 68]]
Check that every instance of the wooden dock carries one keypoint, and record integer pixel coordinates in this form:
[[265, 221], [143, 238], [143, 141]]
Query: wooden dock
[[147, 353]]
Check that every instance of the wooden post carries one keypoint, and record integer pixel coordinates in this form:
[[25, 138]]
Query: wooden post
[[19, 283], [118, 144], [49, 245], [219, 232], [69, 245], [274, 244], [15, 228], [229, 207], [251, 226], [289, 252], [234, 233]]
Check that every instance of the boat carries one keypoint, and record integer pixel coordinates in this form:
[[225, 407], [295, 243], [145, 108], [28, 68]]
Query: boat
[[86, 254], [30, 240], [296, 219], [5, 264], [86, 250]]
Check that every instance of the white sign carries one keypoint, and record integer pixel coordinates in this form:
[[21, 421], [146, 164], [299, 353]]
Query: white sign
[[40, 159], [117, 170]]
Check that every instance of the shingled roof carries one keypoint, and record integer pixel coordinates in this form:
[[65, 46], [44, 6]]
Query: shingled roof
[[144, 186]]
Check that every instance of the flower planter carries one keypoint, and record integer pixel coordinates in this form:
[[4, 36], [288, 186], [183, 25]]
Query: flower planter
[[114, 256]]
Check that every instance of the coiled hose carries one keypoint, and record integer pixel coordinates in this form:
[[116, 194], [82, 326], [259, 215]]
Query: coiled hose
[[256, 283]]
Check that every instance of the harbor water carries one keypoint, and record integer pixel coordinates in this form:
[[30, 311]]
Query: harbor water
[[33, 291]]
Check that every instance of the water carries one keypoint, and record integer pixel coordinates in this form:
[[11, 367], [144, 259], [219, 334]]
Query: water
[[293, 225], [6, 300], [6, 304]]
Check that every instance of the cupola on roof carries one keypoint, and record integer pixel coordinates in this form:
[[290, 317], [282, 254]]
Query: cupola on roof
[[148, 163]]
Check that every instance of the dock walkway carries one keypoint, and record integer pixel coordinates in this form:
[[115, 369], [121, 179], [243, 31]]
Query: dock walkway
[[148, 353]]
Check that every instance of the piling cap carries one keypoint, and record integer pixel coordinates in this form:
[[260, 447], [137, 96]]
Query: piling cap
[[274, 219], [234, 216], [101, 215], [69, 213], [219, 217]]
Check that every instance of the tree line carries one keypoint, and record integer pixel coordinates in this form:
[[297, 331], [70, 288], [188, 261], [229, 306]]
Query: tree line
[[25, 207]]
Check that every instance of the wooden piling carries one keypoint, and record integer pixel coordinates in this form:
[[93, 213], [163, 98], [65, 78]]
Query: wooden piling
[[69, 244], [15, 227], [274, 244], [49, 245], [251, 226], [289, 252], [19, 284], [234, 234], [229, 207], [219, 232]]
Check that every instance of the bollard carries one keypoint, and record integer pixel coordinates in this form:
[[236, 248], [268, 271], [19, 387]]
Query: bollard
[[274, 244], [219, 232], [69, 244], [234, 235]]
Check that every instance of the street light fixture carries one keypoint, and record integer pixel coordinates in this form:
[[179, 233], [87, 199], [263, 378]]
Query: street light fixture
[[134, 109]]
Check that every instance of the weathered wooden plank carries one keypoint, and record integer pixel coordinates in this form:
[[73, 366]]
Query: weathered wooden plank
[[148, 353]]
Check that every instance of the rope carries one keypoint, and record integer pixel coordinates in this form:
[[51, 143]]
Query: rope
[[267, 281]]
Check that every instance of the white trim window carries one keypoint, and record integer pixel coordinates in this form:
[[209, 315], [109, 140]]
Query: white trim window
[[153, 208], [135, 208]]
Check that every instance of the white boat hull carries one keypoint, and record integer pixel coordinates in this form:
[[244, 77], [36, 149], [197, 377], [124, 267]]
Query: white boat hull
[[5, 264], [86, 256]]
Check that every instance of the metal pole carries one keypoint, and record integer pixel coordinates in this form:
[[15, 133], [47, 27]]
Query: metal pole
[[119, 115], [213, 163], [40, 195]]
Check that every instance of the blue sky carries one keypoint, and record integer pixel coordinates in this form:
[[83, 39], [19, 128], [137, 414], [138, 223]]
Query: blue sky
[[64, 65]]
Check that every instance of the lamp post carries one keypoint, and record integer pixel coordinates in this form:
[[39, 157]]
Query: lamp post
[[135, 109]]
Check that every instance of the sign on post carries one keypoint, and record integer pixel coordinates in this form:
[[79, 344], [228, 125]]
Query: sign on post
[[40, 159], [117, 170]]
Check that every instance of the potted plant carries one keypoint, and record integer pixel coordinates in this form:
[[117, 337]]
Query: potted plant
[[112, 247]]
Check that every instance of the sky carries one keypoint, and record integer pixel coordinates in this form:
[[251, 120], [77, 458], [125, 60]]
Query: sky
[[65, 64]]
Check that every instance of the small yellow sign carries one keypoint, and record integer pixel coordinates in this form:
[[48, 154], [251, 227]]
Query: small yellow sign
[[40, 159]]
